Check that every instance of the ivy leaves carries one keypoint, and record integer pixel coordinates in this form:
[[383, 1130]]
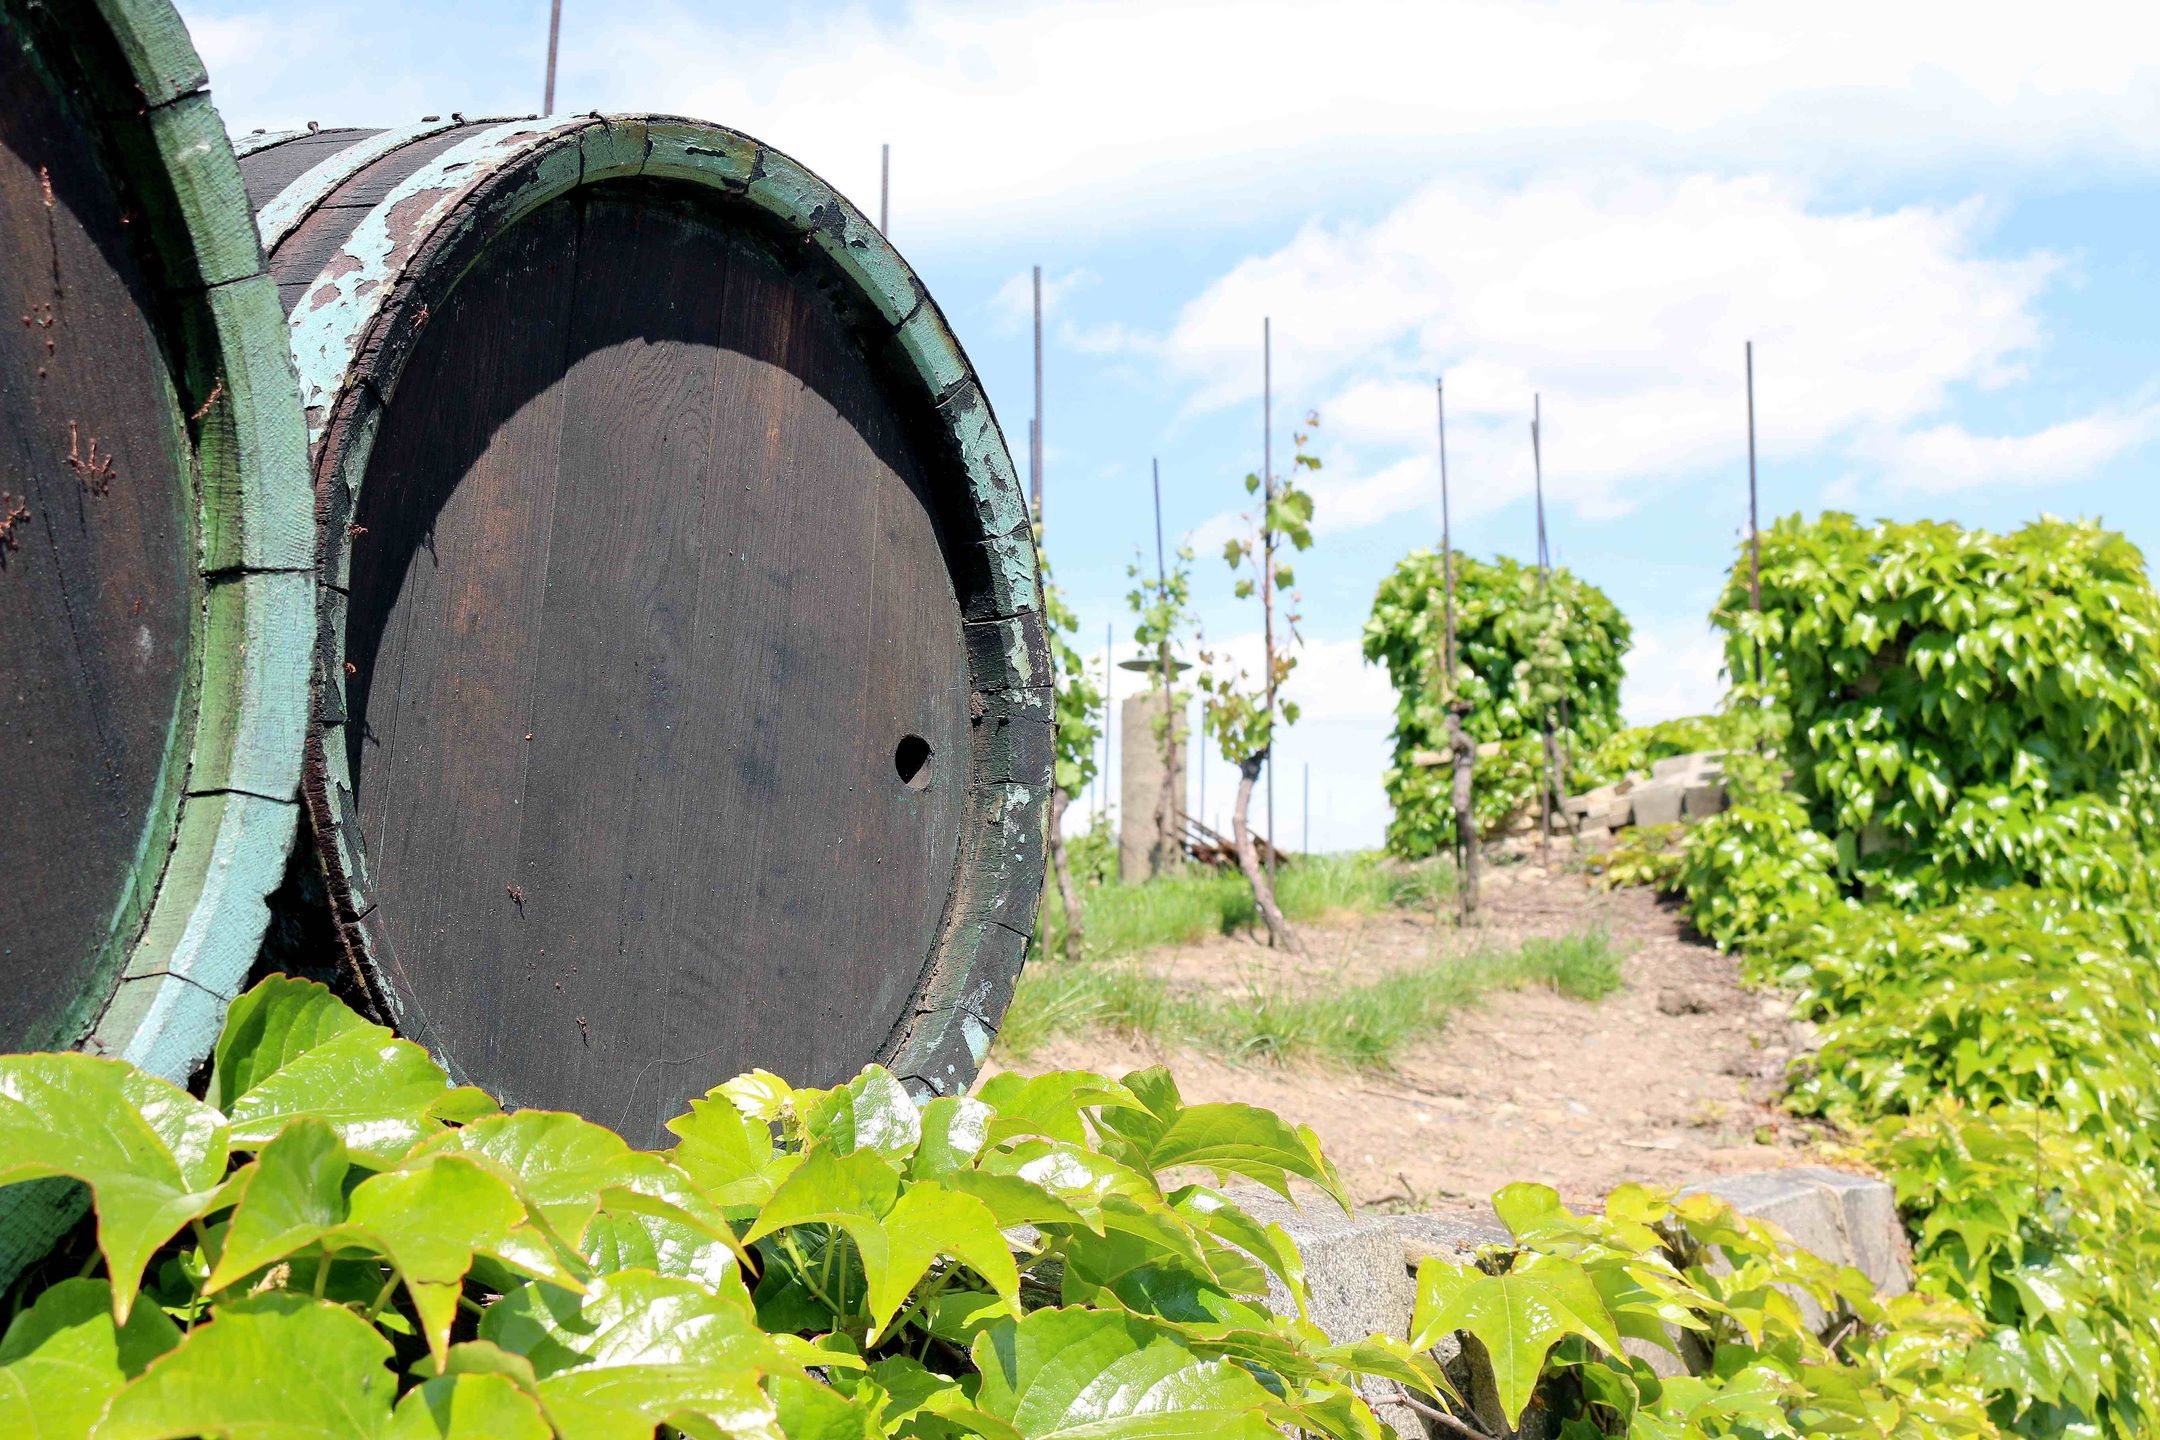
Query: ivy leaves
[[1965, 707], [152, 1155], [391, 1258]]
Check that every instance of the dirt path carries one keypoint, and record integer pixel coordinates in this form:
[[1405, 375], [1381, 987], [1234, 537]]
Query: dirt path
[[1672, 1077]]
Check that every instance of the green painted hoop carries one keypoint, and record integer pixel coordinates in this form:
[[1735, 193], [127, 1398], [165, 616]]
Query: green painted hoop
[[371, 300], [187, 953]]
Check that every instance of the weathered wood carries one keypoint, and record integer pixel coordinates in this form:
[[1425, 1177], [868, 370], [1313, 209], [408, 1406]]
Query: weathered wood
[[155, 545], [681, 684]]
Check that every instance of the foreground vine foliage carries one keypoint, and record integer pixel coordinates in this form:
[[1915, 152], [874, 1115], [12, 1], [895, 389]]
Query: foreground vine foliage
[[1776, 1342], [342, 1243], [339, 1242]]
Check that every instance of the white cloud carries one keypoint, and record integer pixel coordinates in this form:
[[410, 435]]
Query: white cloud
[[1625, 299], [1674, 669], [1011, 117], [1944, 459]]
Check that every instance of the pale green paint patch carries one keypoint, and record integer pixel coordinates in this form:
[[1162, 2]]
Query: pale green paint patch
[[298, 200]]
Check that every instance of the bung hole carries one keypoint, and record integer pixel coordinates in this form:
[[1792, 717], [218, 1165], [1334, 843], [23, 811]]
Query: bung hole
[[911, 762]]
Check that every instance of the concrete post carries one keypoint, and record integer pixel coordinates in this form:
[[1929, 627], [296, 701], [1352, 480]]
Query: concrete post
[[1140, 783]]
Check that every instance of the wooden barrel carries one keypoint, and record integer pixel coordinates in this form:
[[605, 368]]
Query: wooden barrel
[[156, 554], [156, 550], [681, 694]]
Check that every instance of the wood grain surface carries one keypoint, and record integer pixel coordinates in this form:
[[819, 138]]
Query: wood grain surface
[[647, 596], [97, 586]]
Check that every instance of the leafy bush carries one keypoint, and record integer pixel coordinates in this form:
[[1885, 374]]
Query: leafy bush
[[2054, 1242], [340, 1242], [1520, 660], [2011, 997], [1755, 868], [1718, 1292], [1961, 703]]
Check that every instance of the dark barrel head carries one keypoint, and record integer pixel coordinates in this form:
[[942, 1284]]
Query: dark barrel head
[[648, 597]]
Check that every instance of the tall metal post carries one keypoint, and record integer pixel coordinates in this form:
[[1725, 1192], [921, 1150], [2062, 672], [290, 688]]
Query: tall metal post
[[1035, 437], [1537, 462], [1754, 534], [547, 105], [1168, 833], [1267, 563], [1109, 708], [884, 190], [1462, 755]]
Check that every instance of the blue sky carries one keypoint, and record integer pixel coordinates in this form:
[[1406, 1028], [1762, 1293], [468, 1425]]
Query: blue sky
[[1936, 221]]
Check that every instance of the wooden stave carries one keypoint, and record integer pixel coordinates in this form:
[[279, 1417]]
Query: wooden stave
[[208, 868], [351, 362]]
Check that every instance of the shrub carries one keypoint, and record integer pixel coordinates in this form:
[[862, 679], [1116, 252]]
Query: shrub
[[2054, 1242], [1754, 869], [1520, 660], [1653, 855], [1961, 703], [2011, 997]]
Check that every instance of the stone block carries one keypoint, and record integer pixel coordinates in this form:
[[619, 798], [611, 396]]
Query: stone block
[[1707, 763], [1657, 803], [1844, 1218], [1355, 1276], [1701, 801]]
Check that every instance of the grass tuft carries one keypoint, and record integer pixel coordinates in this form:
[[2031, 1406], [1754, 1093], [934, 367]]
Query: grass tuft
[[1360, 1027], [1180, 909]]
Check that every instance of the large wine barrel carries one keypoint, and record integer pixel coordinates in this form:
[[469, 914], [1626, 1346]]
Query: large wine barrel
[[681, 695], [156, 554]]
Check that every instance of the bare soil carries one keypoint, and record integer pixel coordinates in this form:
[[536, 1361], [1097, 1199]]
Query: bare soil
[[1672, 1078]]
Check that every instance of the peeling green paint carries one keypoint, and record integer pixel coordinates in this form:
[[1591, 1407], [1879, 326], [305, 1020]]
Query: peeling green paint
[[296, 201]]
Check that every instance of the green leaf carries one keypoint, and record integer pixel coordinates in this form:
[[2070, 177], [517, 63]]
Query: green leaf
[[1518, 1317], [291, 1048], [292, 1193], [640, 1232], [430, 1219], [559, 1162], [810, 1411], [468, 1407], [1103, 1375], [1226, 1138], [727, 1152], [955, 1129], [152, 1155], [1051, 1104], [642, 1350], [931, 1221], [62, 1359], [277, 1366], [897, 1233], [871, 1112]]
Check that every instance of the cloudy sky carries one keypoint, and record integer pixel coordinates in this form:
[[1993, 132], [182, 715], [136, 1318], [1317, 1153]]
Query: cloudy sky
[[1937, 223]]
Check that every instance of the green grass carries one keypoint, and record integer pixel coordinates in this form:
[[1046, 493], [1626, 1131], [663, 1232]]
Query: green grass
[[1363, 1027], [1179, 909]]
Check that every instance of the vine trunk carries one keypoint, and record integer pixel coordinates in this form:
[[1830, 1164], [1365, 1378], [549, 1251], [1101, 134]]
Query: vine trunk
[[1248, 856], [1075, 923]]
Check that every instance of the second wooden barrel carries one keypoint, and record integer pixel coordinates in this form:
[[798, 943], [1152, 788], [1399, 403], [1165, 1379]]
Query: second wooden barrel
[[681, 694]]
